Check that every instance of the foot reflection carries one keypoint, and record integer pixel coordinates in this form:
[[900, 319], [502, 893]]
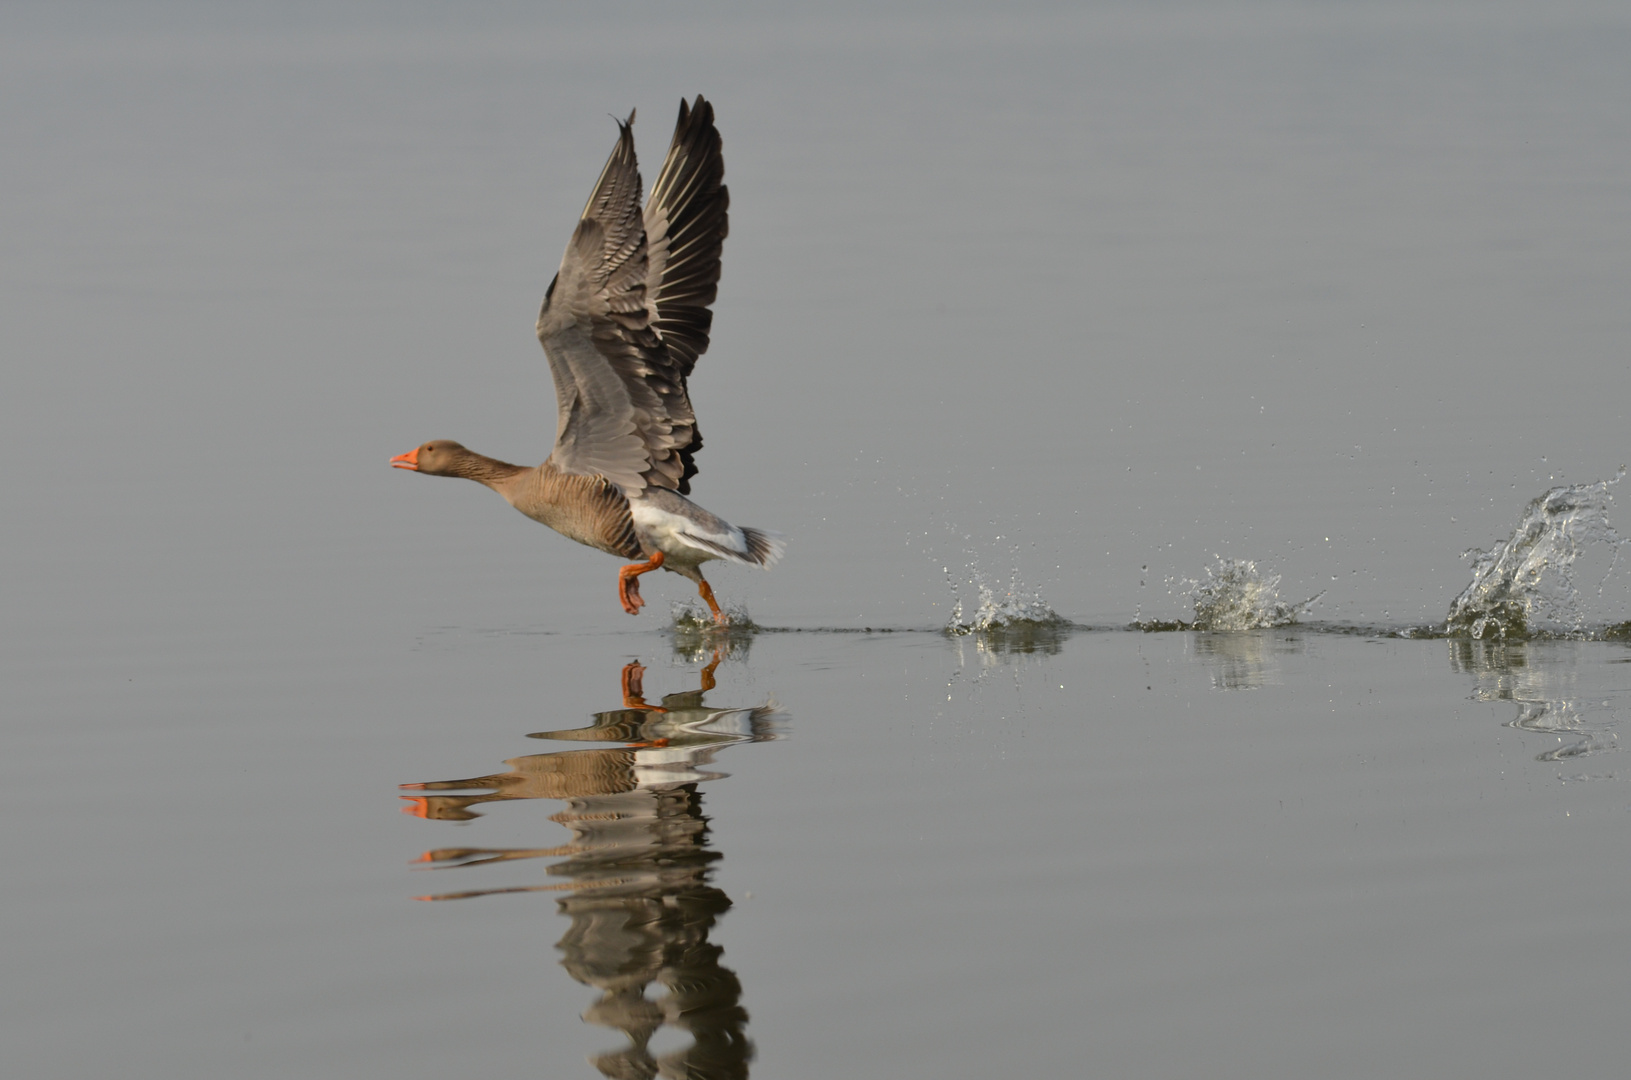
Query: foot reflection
[[636, 872]]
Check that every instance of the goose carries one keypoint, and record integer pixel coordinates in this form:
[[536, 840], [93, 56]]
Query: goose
[[622, 325]]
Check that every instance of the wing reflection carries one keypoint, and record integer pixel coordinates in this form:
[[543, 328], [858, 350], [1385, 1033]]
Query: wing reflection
[[1543, 688], [635, 874]]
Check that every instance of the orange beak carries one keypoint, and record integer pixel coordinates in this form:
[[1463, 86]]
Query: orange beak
[[409, 461]]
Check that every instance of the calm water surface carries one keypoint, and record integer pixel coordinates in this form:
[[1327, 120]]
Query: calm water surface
[[1067, 301], [1276, 852]]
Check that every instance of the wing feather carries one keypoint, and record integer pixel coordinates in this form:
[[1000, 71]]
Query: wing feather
[[626, 316], [687, 218]]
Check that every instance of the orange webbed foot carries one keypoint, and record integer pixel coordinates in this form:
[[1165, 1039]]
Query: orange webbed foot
[[628, 583]]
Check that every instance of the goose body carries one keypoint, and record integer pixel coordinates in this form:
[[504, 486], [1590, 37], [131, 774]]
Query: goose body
[[622, 325]]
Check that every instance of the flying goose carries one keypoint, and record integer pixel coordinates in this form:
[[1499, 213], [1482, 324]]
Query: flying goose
[[622, 325]]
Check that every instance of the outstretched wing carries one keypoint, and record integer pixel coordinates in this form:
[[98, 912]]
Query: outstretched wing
[[687, 220], [626, 316]]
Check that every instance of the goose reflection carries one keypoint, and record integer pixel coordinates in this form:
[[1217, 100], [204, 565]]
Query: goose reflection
[[1544, 689], [634, 878]]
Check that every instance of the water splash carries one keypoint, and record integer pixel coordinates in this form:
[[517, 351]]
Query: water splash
[[1525, 585], [696, 636], [1014, 611], [688, 615], [1236, 595]]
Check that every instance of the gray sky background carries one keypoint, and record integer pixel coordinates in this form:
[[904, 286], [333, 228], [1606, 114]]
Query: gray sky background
[[1337, 288]]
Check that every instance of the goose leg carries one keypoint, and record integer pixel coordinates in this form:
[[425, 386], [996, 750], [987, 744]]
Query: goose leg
[[628, 583], [707, 593]]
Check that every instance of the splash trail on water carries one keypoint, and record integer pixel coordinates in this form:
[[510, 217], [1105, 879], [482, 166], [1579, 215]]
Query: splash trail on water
[[1525, 586]]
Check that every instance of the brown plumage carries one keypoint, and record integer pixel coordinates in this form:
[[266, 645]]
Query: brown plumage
[[622, 326]]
